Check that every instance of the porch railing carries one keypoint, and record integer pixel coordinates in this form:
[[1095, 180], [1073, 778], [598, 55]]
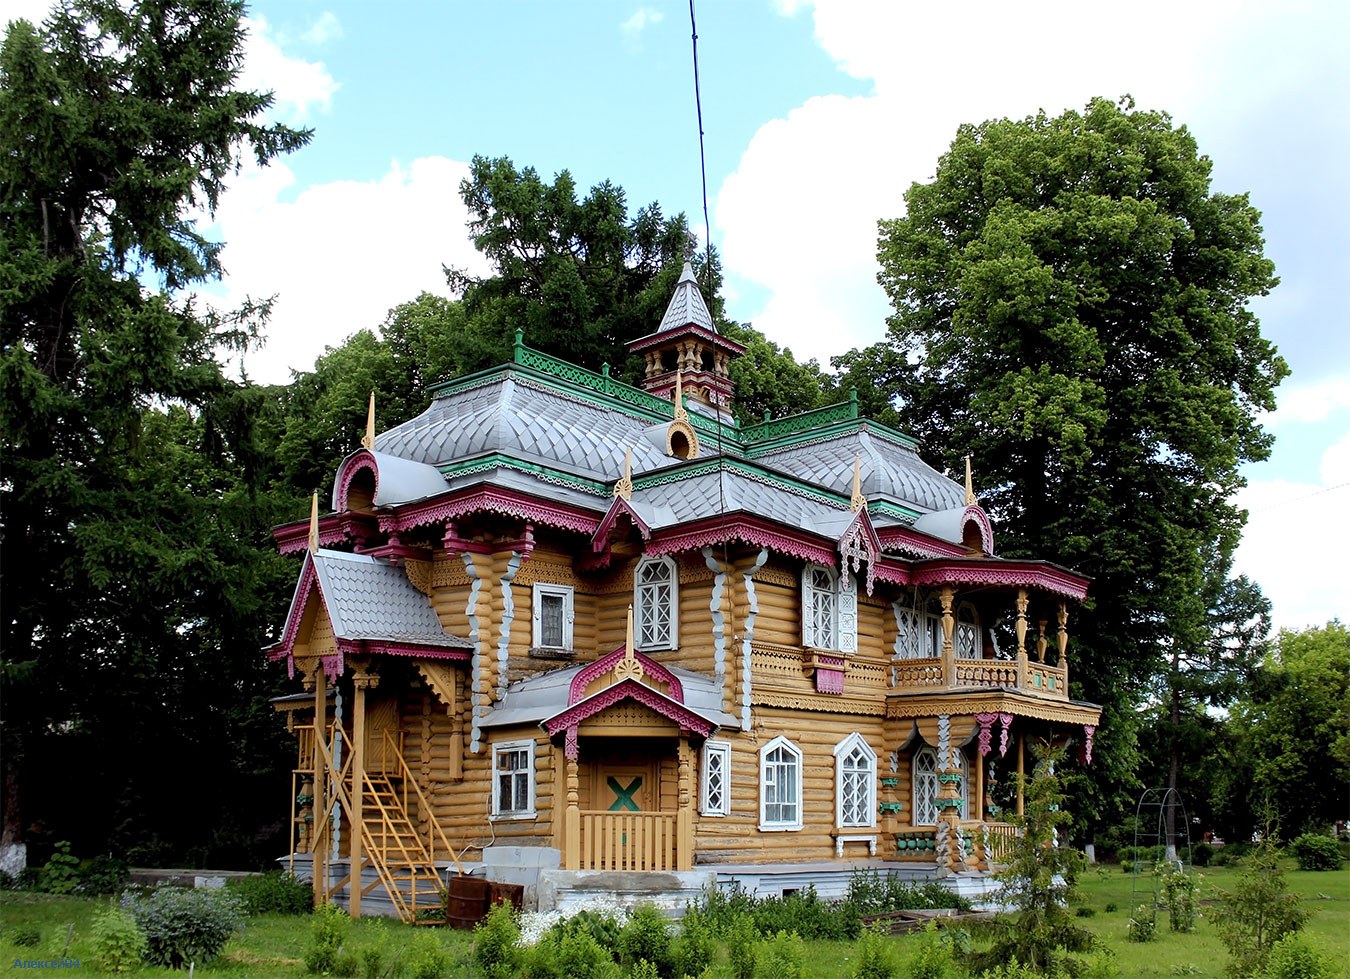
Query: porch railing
[[997, 840], [627, 840]]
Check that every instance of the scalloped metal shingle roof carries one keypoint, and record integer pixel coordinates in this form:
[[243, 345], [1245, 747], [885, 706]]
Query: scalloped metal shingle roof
[[369, 599]]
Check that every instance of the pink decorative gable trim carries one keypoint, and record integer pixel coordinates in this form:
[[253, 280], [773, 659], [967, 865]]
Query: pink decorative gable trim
[[746, 530], [602, 533], [308, 585], [490, 499], [682, 716], [292, 538], [359, 461], [577, 691], [910, 542], [379, 647], [984, 571], [860, 543], [976, 515]]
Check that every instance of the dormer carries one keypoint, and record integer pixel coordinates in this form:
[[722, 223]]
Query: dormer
[[687, 343]]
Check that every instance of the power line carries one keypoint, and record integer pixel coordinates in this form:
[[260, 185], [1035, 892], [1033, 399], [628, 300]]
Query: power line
[[1300, 499]]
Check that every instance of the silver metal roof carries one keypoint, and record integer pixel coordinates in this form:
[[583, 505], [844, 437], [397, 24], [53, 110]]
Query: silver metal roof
[[678, 501], [370, 599], [686, 305], [400, 480]]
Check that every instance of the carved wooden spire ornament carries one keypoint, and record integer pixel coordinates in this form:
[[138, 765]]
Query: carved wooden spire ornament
[[858, 501], [314, 522], [629, 667], [971, 499], [368, 440], [680, 414], [624, 486]]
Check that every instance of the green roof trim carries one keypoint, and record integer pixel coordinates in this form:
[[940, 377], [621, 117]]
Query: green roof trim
[[893, 510], [498, 460], [748, 469], [812, 420]]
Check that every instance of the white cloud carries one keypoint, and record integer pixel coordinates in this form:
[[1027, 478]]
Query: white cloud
[[33, 11], [1309, 403], [641, 19], [340, 254], [326, 28], [299, 87]]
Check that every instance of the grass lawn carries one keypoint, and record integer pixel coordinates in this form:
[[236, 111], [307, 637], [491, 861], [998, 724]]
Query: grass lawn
[[274, 946]]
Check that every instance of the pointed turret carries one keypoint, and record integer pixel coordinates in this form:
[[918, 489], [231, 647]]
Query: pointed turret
[[687, 342]]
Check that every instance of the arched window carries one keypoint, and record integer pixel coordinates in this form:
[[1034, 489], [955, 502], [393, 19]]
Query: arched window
[[855, 779], [656, 603], [923, 776], [780, 785]]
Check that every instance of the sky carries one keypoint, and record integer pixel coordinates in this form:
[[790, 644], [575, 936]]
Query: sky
[[818, 115]]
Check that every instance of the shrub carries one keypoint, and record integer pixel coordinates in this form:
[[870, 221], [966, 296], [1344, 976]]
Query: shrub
[[494, 942], [1178, 892], [103, 875], [275, 892], [934, 958], [1112, 907], [1316, 852], [643, 969], [427, 958], [1294, 957], [1202, 854], [569, 954], [1257, 913], [1143, 924], [603, 928], [783, 956], [118, 942], [694, 948], [61, 873], [647, 936], [874, 957], [327, 934], [183, 926], [1231, 853], [743, 948], [373, 950], [27, 937], [1010, 970]]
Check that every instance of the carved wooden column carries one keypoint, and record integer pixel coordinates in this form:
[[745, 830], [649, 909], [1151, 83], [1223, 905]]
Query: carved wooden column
[[1063, 637], [572, 818], [362, 680], [951, 851], [322, 829], [684, 816], [946, 596], [1022, 603]]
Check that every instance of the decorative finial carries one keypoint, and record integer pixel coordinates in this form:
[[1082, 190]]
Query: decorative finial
[[624, 486], [368, 440], [629, 668], [680, 414], [970, 486], [858, 501], [314, 522]]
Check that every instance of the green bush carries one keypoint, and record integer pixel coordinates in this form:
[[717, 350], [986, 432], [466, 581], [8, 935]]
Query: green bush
[[427, 958], [1178, 893], [694, 948], [275, 892], [1231, 853], [328, 931], [647, 936], [1257, 913], [1295, 957], [27, 937], [604, 929], [183, 926], [103, 875], [118, 942], [873, 958], [1316, 852], [373, 951], [743, 948], [643, 969], [1143, 924], [935, 957], [783, 956], [1011, 970], [569, 954], [494, 942], [61, 873], [1202, 854]]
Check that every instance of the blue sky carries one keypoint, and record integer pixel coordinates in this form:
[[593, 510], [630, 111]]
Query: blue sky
[[818, 116]]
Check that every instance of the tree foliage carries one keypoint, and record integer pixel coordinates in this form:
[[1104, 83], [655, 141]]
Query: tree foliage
[[131, 561], [1071, 309]]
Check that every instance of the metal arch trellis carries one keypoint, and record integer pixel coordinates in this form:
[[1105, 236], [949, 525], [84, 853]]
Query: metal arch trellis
[[1162, 833]]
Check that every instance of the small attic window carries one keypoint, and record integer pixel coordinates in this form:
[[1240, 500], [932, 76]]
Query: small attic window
[[679, 445], [361, 490], [707, 359], [971, 538], [669, 360]]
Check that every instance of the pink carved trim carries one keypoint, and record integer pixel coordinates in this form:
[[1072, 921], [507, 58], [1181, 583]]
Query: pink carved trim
[[1006, 720], [577, 691], [1089, 730], [490, 499], [916, 544], [664, 336], [986, 722], [570, 747], [829, 681], [747, 532], [293, 538], [896, 574], [370, 647], [1023, 574], [629, 690], [861, 536], [357, 462], [975, 514], [606, 528], [334, 665], [303, 591]]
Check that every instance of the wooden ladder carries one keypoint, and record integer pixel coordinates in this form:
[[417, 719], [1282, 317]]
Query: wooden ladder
[[396, 851]]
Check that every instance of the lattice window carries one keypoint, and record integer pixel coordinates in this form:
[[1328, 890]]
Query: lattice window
[[513, 781], [855, 782], [924, 771], [780, 781], [655, 602], [967, 638], [820, 606], [715, 791]]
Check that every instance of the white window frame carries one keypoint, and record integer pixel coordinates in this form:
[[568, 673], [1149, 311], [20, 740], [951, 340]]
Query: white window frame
[[716, 762], [966, 636], [918, 633], [925, 811], [861, 777], [641, 596], [771, 775], [513, 747], [537, 609], [823, 596]]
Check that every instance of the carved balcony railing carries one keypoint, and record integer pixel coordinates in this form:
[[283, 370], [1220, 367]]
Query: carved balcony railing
[[628, 840]]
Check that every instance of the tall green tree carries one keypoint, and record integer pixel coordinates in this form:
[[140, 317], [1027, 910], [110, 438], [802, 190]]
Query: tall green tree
[[130, 568], [1071, 309]]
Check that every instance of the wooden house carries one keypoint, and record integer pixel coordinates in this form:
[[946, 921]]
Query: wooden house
[[825, 664]]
